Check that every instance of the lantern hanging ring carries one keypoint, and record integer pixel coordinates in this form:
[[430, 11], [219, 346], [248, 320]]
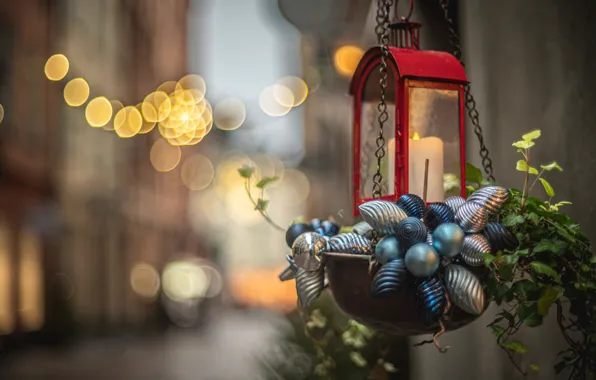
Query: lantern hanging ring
[[407, 18]]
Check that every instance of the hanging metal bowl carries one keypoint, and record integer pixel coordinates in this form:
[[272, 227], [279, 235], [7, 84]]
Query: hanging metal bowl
[[398, 314]]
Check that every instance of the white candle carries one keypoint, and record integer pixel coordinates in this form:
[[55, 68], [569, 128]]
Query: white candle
[[430, 148]]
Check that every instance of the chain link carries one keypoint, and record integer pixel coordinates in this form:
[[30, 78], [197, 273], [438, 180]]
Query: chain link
[[382, 32], [487, 163]]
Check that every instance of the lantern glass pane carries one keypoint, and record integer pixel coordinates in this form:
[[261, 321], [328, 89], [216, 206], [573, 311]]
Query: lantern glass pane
[[434, 136], [369, 131]]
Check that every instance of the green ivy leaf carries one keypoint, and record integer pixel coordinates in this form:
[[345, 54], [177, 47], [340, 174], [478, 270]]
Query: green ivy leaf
[[522, 166], [549, 245], [542, 268], [488, 259], [506, 272], [551, 166], [262, 205], [388, 367], [246, 171], [534, 218], [549, 295], [512, 220], [534, 367], [533, 135], [522, 144], [266, 181], [358, 359], [547, 187], [515, 346], [497, 330], [473, 174]]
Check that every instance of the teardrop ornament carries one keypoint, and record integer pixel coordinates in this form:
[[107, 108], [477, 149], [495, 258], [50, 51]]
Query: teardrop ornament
[[412, 205], [464, 289], [438, 213], [308, 249], [455, 202], [474, 249], [350, 242], [309, 285], [471, 217], [389, 279], [491, 197], [431, 299], [499, 237], [291, 271], [363, 229], [382, 216]]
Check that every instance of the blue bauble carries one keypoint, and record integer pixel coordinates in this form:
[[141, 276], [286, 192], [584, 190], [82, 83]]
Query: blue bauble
[[330, 229], [448, 239], [422, 260], [388, 249], [315, 223]]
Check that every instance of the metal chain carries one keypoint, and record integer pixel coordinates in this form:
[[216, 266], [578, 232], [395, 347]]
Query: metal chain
[[382, 32], [487, 163]]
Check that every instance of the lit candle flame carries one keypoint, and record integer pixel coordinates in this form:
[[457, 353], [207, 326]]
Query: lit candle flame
[[416, 136]]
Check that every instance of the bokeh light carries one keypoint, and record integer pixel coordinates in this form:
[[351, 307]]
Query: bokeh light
[[98, 112], [76, 92], [346, 59], [146, 126], [156, 106], [297, 87], [197, 172], [116, 107], [128, 122], [144, 280], [56, 67], [229, 114], [239, 207], [184, 280], [297, 183], [276, 100], [262, 288], [164, 156]]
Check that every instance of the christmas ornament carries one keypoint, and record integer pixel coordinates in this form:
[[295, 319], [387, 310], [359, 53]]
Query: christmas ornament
[[429, 238], [491, 197], [422, 260], [410, 231], [290, 272], [389, 279], [454, 202], [363, 229], [315, 223], [307, 250], [296, 230], [499, 237], [388, 249], [309, 285], [438, 213], [474, 249], [431, 299], [464, 289], [329, 228], [471, 217], [412, 205], [350, 242], [382, 216], [448, 239]]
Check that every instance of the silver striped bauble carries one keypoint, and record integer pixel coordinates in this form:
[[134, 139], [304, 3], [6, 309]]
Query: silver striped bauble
[[474, 249], [471, 217], [464, 289], [363, 229], [291, 271], [491, 197], [455, 202], [382, 216], [350, 242], [309, 285]]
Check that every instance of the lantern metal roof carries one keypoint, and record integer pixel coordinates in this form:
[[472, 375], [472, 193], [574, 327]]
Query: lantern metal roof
[[413, 63]]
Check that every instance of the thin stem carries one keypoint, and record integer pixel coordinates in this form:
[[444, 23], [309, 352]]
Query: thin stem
[[536, 180], [525, 192], [262, 212]]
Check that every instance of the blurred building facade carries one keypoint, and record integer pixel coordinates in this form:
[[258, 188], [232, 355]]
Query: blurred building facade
[[80, 206]]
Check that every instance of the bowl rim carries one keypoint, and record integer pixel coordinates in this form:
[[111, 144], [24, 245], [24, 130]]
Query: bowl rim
[[346, 256]]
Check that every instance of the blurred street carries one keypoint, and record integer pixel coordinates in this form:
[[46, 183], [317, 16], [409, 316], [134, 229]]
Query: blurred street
[[227, 348]]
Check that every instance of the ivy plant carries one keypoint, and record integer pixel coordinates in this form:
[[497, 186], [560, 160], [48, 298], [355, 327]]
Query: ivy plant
[[552, 268]]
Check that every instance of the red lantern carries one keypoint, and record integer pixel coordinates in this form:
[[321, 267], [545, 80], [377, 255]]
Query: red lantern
[[425, 131]]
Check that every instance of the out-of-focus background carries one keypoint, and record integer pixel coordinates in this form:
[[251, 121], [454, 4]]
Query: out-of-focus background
[[127, 252]]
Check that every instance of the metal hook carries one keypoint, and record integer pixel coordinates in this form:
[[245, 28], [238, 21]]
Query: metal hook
[[407, 18]]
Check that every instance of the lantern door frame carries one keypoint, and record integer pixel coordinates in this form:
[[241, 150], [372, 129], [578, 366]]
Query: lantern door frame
[[433, 69]]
